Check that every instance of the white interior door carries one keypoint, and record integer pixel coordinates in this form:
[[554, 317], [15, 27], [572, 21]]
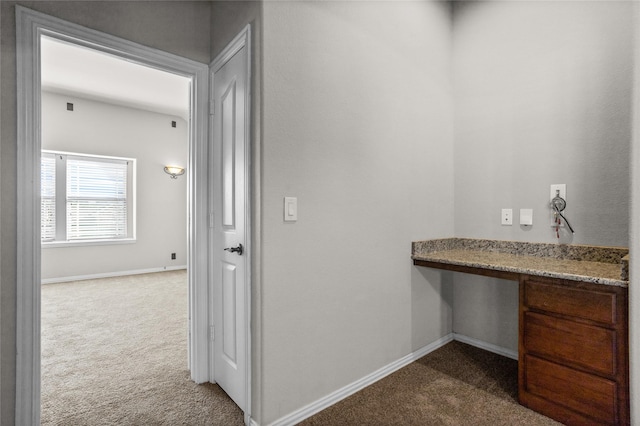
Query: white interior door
[[230, 215]]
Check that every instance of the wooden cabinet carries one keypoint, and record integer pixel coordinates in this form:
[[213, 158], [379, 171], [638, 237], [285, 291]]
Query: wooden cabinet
[[573, 351]]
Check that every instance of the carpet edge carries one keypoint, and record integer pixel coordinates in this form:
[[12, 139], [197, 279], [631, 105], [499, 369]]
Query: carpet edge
[[111, 274], [486, 346]]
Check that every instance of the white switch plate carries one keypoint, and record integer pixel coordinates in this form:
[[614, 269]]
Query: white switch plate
[[290, 209], [507, 217], [526, 217]]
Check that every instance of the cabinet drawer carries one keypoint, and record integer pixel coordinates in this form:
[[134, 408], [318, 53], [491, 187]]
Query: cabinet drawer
[[582, 345], [579, 303], [582, 392]]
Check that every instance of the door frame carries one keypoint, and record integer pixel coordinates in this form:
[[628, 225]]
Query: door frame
[[241, 40], [30, 25]]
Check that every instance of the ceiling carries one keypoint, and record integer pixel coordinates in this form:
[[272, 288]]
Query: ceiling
[[87, 73]]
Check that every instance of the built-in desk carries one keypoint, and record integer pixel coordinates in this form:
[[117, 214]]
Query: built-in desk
[[573, 320]]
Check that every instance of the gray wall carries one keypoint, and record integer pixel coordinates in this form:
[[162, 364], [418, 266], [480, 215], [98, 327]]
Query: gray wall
[[228, 18], [98, 128], [357, 121], [542, 96], [182, 28], [358, 124]]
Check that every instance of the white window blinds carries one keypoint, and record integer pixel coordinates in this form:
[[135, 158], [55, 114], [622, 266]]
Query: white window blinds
[[96, 199], [86, 198], [48, 194]]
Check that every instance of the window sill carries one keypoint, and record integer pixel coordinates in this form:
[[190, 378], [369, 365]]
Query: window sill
[[84, 243]]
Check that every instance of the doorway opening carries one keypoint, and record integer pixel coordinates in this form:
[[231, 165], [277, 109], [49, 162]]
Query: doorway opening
[[113, 222], [31, 27]]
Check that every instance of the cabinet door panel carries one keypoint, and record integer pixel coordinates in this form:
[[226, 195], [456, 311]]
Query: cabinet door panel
[[566, 341], [582, 392]]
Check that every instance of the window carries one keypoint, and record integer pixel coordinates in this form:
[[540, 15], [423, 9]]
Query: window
[[48, 204], [86, 198]]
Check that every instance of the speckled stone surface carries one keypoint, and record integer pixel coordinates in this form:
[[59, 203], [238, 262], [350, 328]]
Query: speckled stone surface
[[625, 268], [596, 264]]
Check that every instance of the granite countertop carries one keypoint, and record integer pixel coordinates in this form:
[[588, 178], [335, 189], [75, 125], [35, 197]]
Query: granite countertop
[[596, 264]]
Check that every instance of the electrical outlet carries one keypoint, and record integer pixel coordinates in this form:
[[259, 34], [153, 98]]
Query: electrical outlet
[[173, 256], [561, 187], [507, 217], [561, 190]]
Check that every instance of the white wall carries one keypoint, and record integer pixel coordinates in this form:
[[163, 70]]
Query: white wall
[[357, 116], [542, 96], [103, 129]]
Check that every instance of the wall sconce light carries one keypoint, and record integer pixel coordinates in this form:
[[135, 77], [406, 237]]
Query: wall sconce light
[[174, 171]]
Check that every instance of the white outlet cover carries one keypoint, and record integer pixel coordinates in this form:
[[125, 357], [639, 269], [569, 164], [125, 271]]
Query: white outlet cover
[[507, 217], [526, 217], [562, 187]]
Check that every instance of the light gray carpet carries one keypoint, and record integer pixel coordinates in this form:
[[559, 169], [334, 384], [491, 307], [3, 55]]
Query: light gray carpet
[[114, 352]]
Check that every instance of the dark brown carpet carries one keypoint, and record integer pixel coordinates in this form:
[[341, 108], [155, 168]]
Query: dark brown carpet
[[455, 385]]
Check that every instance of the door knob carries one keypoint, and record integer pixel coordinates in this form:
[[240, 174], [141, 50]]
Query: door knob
[[238, 249]]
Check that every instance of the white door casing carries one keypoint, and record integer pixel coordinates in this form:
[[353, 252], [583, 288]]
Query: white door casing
[[230, 245], [30, 25]]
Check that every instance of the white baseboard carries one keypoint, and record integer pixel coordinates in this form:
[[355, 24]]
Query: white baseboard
[[112, 274], [486, 346], [334, 397]]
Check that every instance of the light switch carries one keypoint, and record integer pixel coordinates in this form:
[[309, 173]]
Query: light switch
[[526, 217], [290, 209]]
